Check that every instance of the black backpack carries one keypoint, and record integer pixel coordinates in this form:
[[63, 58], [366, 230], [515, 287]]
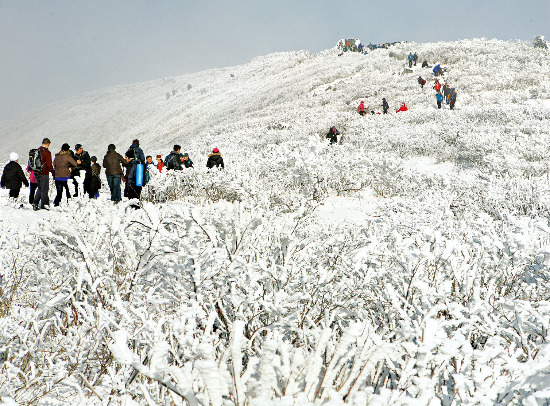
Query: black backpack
[[35, 160], [134, 150]]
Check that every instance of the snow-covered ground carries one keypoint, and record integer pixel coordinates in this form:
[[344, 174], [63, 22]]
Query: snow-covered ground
[[409, 264]]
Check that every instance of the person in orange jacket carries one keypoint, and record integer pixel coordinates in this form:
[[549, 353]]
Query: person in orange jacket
[[402, 108]]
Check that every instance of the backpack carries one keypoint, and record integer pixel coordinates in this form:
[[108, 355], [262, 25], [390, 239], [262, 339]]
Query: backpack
[[171, 161], [35, 160], [134, 150]]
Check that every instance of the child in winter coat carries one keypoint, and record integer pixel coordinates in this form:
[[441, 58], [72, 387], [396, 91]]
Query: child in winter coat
[[13, 176], [439, 99], [215, 159]]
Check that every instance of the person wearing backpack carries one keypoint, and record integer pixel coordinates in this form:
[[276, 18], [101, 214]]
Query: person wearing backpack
[[62, 164], [138, 152], [84, 163], [174, 159], [42, 175], [113, 162], [131, 190], [415, 58], [13, 177]]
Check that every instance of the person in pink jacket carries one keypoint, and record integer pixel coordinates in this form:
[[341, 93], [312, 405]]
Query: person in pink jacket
[[361, 108]]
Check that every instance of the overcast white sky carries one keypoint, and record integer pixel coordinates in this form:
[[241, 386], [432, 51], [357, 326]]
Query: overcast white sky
[[54, 49]]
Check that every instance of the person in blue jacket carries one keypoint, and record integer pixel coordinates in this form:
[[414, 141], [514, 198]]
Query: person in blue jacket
[[411, 57], [138, 152], [437, 70], [439, 99]]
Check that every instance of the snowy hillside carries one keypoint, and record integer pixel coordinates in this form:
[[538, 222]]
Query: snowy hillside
[[409, 264]]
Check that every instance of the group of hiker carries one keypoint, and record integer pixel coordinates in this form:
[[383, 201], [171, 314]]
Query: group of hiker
[[134, 169]]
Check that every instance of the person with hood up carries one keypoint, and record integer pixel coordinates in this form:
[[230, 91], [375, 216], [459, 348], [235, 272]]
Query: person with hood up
[[437, 86], [332, 135], [13, 177], [361, 108], [62, 165], [385, 106], [402, 108], [437, 70], [215, 159]]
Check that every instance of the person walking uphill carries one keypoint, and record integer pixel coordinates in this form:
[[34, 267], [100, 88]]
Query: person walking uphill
[[411, 58], [62, 164], [13, 177], [215, 159], [42, 176], [113, 162]]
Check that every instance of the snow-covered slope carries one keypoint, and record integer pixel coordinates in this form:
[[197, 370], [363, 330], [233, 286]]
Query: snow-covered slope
[[406, 265]]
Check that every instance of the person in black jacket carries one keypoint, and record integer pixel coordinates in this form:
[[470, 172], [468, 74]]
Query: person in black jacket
[[385, 106], [187, 161], [84, 163], [215, 159], [174, 159], [332, 135], [13, 176]]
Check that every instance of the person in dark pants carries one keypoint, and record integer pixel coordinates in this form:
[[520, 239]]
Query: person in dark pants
[[113, 162], [332, 135], [452, 99], [439, 99], [421, 82], [33, 184], [13, 177], [62, 164], [43, 177], [385, 106], [131, 191]]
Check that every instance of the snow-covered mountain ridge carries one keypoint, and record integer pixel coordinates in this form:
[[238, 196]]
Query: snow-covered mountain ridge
[[408, 264]]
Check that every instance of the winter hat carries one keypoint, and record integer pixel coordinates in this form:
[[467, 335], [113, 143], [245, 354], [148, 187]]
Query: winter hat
[[135, 142], [77, 147], [159, 156], [215, 150], [186, 154], [362, 102], [65, 147], [14, 156], [93, 159]]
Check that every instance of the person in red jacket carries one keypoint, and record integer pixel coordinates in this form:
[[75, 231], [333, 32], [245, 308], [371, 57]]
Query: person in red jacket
[[43, 177], [361, 108], [437, 86], [160, 164], [402, 108]]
